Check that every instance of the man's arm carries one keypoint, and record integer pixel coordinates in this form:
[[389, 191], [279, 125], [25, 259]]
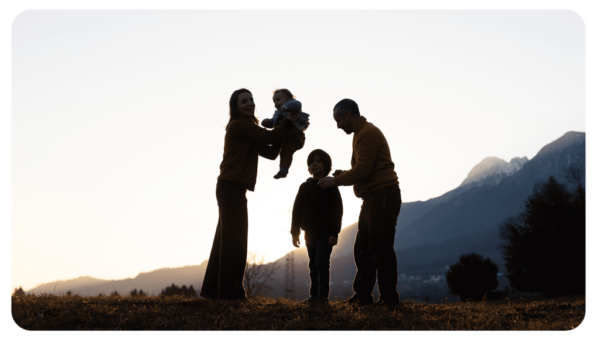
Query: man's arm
[[338, 172], [367, 145], [337, 212]]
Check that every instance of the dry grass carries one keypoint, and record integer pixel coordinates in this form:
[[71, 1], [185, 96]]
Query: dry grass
[[50, 312]]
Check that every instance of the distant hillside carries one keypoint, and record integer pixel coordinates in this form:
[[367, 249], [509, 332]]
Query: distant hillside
[[152, 282], [62, 286], [430, 235]]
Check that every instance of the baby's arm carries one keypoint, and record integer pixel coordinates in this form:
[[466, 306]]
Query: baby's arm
[[268, 123]]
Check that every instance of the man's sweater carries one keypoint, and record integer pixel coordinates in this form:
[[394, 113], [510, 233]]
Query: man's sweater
[[372, 165], [244, 142], [317, 210]]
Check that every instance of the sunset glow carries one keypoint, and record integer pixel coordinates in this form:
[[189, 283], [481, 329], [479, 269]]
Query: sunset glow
[[118, 122]]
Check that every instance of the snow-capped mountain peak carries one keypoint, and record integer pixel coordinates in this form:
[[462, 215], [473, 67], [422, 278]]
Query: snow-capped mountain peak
[[492, 170]]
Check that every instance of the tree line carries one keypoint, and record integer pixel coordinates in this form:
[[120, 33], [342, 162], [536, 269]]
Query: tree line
[[543, 246]]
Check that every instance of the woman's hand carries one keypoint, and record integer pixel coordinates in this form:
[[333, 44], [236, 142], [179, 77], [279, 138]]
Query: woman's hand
[[296, 241], [294, 116]]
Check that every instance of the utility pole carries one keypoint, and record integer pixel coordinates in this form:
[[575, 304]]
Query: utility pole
[[289, 283]]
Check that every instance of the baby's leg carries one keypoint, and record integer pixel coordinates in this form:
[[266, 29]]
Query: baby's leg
[[287, 153]]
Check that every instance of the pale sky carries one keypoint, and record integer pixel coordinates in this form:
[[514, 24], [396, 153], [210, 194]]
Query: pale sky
[[118, 117]]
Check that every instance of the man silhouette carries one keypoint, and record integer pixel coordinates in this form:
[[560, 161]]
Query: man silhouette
[[375, 181]]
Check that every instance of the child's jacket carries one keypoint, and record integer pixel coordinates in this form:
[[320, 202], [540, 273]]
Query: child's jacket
[[317, 210], [291, 105]]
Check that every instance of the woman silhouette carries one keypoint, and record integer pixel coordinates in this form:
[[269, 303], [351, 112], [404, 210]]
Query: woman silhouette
[[244, 142]]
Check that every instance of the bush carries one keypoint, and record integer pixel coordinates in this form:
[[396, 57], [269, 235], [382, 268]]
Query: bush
[[544, 245], [472, 277], [176, 290], [136, 293]]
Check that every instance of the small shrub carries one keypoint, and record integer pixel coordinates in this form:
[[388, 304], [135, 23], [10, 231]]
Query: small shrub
[[176, 290], [472, 277]]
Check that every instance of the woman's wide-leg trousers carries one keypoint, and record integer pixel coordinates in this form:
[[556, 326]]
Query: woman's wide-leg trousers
[[224, 278]]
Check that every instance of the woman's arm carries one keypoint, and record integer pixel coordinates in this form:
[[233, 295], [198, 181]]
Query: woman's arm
[[249, 130], [269, 151]]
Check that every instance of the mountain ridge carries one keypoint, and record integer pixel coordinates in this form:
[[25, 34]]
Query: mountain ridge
[[430, 235], [151, 281]]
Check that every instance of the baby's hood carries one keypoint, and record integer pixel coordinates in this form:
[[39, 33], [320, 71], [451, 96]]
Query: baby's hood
[[293, 105]]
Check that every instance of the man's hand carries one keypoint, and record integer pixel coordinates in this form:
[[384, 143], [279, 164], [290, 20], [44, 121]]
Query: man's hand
[[337, 172], [332, 241], [326, 182], [296, 241]]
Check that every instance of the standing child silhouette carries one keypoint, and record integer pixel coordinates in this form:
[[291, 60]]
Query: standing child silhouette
[[319, 213]]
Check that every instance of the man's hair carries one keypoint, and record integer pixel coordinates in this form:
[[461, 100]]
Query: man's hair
[[284, 91], [347, 105], [325, 159], [234, 112]]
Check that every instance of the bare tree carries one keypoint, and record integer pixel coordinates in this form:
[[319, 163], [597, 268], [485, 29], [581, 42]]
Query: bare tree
[[18, 292], [258, 274]]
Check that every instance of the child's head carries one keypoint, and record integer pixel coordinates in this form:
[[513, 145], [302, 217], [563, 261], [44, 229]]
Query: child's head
[[319, 163], [280, 96]]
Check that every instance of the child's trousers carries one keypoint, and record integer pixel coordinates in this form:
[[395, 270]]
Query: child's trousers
[[319, 257], [292, 142]]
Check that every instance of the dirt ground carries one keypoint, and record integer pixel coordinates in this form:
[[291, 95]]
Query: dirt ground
[[562, 299]]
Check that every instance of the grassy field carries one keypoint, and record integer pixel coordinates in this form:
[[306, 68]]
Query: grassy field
[[50, 312]]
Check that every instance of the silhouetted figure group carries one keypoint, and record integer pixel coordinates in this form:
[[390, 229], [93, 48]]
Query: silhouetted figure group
[[318, 207]]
